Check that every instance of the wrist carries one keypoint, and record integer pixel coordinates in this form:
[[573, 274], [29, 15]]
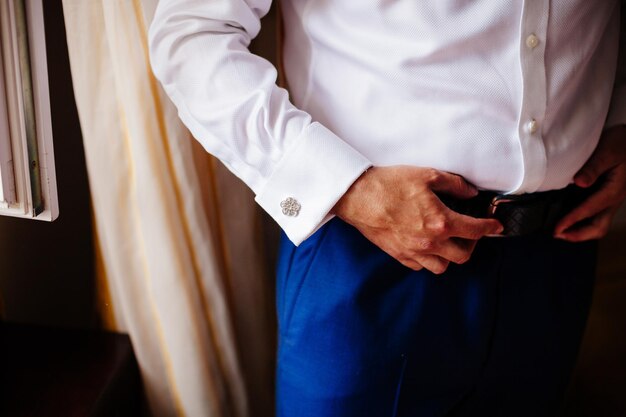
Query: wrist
[[343, 207]]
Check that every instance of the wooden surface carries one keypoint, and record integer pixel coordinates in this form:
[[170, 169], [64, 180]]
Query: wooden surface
[[58, 372]]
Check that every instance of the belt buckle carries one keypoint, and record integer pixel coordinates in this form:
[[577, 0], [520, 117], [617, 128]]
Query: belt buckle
[[496, 202]]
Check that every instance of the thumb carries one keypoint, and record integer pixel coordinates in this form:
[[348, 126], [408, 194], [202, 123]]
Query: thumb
[[453, 185], [589, 173], [610, 152]]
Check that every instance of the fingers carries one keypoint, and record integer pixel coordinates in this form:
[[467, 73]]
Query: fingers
[[472, 228], [434, 264], [411, 264], [589, 208], [452, 239], [596, 228], [398, 209], [444, 223], [453, 250], [450, 184], [606, 197], [592, 170], [610, 152]]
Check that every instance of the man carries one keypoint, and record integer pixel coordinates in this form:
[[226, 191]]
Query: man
[[393, 297]]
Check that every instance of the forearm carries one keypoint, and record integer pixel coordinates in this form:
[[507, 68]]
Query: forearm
[[229, 100]]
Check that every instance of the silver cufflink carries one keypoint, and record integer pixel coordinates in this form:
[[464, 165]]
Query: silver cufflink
[[290, 207]]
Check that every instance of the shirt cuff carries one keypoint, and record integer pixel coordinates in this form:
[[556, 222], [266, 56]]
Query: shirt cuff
[[309, 180]]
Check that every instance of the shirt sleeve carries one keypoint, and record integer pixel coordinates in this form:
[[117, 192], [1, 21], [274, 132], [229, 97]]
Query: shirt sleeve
[[229, 100], [617, 110]]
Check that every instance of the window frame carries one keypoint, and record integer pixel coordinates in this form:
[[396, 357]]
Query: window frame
[[26, 98]]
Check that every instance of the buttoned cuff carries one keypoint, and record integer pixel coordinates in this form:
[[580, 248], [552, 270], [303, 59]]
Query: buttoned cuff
[[617, 111], [309, 180]]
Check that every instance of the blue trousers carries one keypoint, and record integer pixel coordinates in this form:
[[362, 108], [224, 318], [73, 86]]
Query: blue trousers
[[361, 335]]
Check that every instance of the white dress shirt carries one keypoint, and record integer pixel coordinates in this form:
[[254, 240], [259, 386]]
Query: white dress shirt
[[511, 95]]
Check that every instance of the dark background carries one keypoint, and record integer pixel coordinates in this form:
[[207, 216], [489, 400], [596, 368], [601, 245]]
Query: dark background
[[47, 269]]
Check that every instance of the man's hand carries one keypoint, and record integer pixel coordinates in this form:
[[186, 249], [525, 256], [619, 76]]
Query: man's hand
[[396, 208], [591, 219]]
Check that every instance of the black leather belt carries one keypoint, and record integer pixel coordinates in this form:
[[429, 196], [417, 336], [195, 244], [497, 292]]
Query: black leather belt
[[524, 214]]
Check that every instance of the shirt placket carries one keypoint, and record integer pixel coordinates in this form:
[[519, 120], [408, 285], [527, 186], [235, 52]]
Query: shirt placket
[[533, 38]]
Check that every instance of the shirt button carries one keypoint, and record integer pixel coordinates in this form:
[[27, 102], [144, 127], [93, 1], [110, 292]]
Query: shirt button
[[290, 207], [532, 41], [533, 126]]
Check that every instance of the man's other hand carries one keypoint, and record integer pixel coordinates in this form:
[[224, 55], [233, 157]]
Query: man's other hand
[[397, 209], [592, 218]]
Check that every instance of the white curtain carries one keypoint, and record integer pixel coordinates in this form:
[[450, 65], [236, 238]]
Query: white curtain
[[182, 265]]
